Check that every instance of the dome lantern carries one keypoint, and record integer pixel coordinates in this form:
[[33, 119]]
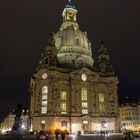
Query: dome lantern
[[74, 48]]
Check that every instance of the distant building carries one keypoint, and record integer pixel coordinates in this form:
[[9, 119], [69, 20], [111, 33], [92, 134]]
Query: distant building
[[130, 116], [7, 123], [66, 91]]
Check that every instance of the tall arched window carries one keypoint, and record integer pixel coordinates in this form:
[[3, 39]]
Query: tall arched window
[[84, 94], [44, 99], [44, 90], [63, 102], [44, 93], [101, 98], [101, 102], [84, 103]]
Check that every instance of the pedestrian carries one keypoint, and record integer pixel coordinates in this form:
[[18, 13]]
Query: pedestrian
[[106, 136], [126, 135], [130, 136], [101, 132], [56, 134], [43, 136], [63, 135]]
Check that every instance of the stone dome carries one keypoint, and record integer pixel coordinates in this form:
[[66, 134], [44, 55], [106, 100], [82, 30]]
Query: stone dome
[[74, 48]]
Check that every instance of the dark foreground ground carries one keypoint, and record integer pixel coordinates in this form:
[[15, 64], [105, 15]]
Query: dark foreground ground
[[70, 137]]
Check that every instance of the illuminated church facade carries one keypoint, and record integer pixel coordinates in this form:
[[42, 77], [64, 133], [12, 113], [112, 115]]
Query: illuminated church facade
[[66, 91]]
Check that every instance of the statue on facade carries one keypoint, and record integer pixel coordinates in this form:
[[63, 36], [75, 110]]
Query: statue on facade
[[104, 59], [51, 41], [51, 51]]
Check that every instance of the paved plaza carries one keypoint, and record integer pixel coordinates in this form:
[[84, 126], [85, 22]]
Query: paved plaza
[[70, 137]]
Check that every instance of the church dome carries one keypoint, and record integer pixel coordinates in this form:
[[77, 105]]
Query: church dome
[[73, 46]]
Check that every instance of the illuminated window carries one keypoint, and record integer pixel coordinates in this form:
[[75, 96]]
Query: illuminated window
[[101, 107], [44, 97], [84, 94], [44, 103], [63, 108], [84, 111], [85, 122], [101, 97], [84, 105], [43, 122], [63, 95], [44, 93], [44, 110], [44, 90]]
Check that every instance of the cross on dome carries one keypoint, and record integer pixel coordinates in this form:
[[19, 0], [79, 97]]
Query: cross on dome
[[69, 2], [70, 5]]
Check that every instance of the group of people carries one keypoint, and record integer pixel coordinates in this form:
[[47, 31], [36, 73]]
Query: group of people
[[105, 133], [132, 135], [45, 136], [128, 135], [62, 134]]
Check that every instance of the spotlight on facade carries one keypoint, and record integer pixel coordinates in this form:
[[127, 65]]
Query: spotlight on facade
[[23, 126], [31, 130], [85, 122], [104, 124], [43, 122], [3, 131]]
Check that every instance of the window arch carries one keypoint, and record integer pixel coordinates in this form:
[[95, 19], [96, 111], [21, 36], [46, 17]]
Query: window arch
[[101, 97], [84, 103], [84, 94], [44, 90], [44, 99]]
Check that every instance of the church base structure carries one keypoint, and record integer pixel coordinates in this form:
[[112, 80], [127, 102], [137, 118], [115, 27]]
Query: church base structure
[[84, 124]]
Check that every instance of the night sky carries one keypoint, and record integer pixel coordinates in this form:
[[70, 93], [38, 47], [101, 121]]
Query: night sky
[[25, 26]]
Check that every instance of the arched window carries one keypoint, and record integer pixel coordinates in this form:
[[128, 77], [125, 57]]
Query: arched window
[[63, 102], [44, 99], [84, 94], [63, 95], [63, 108], [101, 97], [101, 102], [44, 90], [84, 101]]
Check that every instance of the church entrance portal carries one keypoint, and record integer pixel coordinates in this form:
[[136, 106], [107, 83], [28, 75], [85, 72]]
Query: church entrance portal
[[43, 125], [85, 126]]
